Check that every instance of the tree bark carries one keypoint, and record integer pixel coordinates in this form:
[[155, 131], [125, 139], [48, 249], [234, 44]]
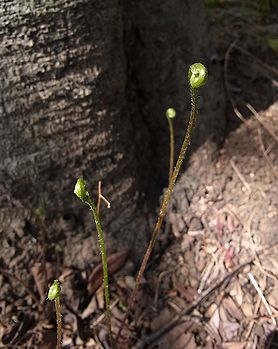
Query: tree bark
[[163, 38], [63, 101], [85, 86]]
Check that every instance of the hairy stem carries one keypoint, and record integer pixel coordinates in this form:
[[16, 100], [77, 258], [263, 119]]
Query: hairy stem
[[104, 264], [59, 322], [81, 192]]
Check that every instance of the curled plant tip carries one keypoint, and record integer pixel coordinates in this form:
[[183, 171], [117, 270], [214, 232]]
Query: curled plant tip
[[197, 75], [54, 291], [170, 113], [80, 190]]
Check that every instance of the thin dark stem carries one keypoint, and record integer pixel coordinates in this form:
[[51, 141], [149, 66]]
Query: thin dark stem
[[171, 160], [164, 205]]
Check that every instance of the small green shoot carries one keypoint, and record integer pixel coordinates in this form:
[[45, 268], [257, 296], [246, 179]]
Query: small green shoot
[[81, 191], [197, 77], [54, 294], [170, 114]]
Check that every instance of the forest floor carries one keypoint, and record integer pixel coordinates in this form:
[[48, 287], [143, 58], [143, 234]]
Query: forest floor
[[224, 237], [214, 283]]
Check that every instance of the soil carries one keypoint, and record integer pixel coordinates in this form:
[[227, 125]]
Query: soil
[[230, 219], [213, 280]]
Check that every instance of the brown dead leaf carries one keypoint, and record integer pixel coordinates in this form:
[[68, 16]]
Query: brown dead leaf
[[115, 262], [211, 309], [178, 338], [215, 320], [48, 340], [188, 293], [90, 309], [232, 308], [209, 343], [231, 330], [237, 293], [234, 345], [228, 329], [15, 333], [185, 340], [248, 309], [163, 317], [42, 278]]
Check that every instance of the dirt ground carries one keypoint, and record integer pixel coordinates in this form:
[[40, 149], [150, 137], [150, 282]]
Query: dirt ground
[[214, 282], [226, 230]]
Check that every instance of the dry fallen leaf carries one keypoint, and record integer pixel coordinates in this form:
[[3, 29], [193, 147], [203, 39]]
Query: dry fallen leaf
[[234, 345], [188, 293], [237, 293], [49, 340], [17, 331], [228, 329], [163, 317], [42, 278], [215, 320], [185, 340], [232, 308], [248, 309], [115, 262]]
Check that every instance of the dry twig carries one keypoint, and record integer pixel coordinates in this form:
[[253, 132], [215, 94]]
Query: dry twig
[[259, 119], [101, 197], [257, 288], [240, 176], [227, 56]]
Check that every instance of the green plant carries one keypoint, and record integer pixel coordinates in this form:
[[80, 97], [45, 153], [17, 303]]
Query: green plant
[[170, 114], [197, 77], [54, 293], [82, 193]]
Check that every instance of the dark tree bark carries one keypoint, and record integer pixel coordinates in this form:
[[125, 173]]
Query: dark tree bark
[[162, 39], [63, 106], [84, 88]]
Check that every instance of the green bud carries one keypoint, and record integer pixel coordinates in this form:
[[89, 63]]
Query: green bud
[[80, 190], [170, 113], [58, 248], [40, 213], [54, 291], [197, 75]]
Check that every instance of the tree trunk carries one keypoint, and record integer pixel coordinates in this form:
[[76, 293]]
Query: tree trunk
[[85, 85], [162, 39]]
